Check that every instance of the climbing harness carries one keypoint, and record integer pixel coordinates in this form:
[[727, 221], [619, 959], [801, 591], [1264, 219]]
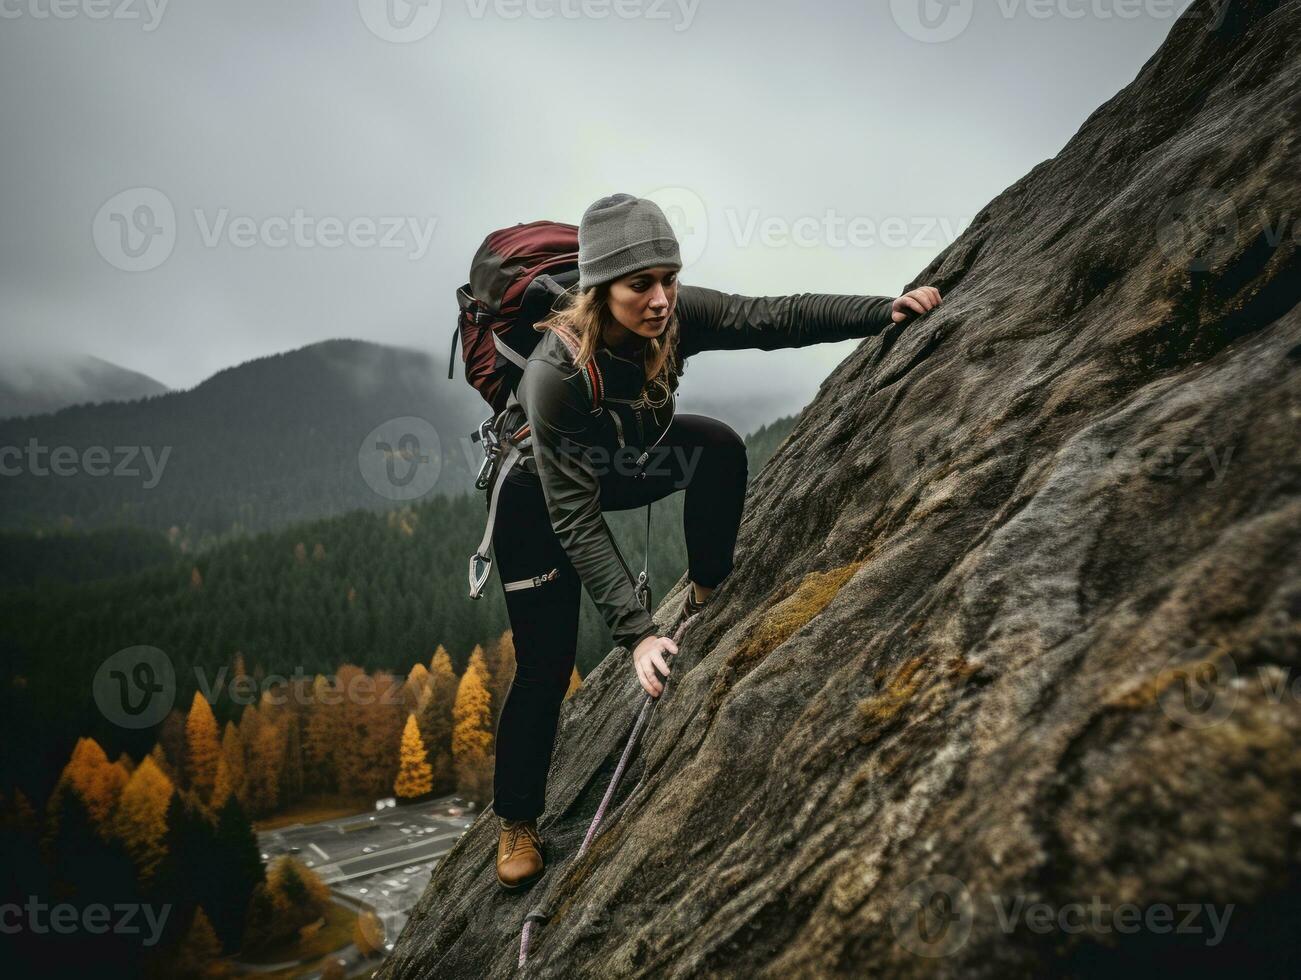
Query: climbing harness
[[542, 913], [480, 562], [503, 454]]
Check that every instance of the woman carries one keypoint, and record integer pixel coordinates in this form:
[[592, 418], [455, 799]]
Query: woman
[[632, 320]]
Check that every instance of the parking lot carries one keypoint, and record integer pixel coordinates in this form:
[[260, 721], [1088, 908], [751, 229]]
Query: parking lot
[[382, 859]]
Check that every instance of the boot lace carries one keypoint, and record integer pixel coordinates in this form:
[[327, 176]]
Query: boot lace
[[515, 831]]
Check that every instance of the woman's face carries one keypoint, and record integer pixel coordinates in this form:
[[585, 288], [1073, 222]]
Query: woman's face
[[642, 302]]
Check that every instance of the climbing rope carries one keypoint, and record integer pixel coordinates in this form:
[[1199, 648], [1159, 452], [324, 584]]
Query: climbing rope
[[648, 706]]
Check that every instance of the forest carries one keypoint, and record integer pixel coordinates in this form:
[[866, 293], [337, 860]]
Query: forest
[[317, 666]]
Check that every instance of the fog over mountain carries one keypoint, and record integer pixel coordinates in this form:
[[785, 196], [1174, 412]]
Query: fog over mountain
[[239, 115]]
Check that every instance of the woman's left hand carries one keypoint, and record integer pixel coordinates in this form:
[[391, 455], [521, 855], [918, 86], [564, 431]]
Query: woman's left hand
[[915, 302]]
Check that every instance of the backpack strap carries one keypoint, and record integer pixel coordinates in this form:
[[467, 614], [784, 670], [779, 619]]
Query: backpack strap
[[592, 379]]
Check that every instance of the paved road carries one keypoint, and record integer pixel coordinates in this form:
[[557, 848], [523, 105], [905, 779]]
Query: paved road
[[382, 860], [332, 847], [409, 853]]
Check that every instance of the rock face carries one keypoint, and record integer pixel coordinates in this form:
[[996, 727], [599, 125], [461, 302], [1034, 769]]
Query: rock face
[[1009, 660]]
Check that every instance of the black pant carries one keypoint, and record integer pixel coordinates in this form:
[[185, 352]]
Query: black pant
[[701, 455]]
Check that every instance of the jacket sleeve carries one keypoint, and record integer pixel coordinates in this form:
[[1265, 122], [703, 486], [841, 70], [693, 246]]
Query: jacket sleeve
[[711, 320], [559, 425]]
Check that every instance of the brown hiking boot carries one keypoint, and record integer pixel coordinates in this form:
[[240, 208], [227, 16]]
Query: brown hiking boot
[[683, 608], [519, 853]]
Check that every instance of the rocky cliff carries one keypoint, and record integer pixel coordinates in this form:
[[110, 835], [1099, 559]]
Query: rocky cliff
[[1005, 682]]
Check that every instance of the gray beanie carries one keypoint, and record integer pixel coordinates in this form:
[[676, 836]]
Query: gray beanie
[[620, 234]]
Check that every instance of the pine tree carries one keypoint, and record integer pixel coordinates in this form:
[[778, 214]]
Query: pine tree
[[203, 745], [435, 719], [237, 875], [85, 871], [472, 734], [185, 874], [141, 818], [415, 778]]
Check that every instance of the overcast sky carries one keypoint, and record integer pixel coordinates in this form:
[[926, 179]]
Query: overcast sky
[[332, 167]]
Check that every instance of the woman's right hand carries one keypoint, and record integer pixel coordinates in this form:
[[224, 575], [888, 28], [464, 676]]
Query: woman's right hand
[[649, 657]]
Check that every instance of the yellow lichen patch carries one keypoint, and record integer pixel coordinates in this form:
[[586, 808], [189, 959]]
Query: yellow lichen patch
[[895, 693], [786, 618], [783, 620], [1149, 691]]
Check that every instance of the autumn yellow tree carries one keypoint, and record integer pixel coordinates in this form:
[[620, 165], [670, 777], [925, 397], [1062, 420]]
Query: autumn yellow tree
[[371, 731], [575, 682], [415, 778], [203, 746], [97, 781], [291, 897], [368, 933], [249, 724], [230, 768], [321, 730], [140, 821], [417, 681], [435, 719], [171, 747], [159, 758], [199, 954], [472, 733], [265, 762]]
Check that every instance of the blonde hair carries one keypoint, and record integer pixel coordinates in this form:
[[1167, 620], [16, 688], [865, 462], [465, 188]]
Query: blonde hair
[[586, 317]]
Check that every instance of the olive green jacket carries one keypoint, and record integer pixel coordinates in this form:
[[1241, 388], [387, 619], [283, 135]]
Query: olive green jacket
[[572, 449]]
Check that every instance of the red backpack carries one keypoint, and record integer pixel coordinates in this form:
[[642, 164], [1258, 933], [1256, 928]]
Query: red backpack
[[516, 276]]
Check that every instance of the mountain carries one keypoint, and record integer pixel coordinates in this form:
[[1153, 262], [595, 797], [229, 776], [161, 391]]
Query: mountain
[[307, 433], [1004, 680], [36, 385]]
